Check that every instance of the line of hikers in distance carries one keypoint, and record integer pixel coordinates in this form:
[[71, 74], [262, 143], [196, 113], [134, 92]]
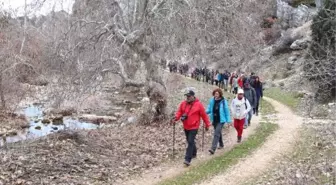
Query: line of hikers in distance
[[248, 90]]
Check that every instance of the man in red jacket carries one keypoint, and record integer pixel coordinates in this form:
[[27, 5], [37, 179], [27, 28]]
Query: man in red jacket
[[190, 112]]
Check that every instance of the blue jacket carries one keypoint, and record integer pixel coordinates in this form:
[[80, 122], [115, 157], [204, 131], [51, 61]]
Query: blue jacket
[[224, 112]]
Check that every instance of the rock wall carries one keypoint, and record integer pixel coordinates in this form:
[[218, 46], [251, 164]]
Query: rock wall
[[293, 17]]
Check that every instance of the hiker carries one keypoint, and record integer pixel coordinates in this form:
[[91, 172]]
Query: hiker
[[218, 111], [231, 80], [235, 84], [250, 94], [259, 91], [252, 79], [225, 80], [190, 112], [241, 81], [240, 107]]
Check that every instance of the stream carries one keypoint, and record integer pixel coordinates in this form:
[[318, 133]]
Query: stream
[[38, 129]]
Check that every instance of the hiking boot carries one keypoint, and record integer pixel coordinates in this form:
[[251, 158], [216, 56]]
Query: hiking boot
[[239, 139], [186, 163], [249, 123], [220, 147], [245, 126], [211, 151]]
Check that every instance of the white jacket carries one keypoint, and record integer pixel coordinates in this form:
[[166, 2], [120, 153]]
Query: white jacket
[[239, 109]]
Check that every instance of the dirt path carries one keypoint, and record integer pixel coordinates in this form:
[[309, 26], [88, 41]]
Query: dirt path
[[171, 169], [278, 144]]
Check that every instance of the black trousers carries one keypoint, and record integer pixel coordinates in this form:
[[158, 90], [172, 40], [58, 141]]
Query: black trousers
[[191, 148]]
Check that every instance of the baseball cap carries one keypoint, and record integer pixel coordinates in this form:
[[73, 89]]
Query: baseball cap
[[190, 93], [240, 91]]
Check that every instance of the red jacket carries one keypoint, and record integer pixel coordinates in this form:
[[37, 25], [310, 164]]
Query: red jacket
[[240, 82], [195, 111]]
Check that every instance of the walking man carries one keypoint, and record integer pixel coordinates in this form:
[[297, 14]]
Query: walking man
[[190, 112], [240, 107], [250, 95]]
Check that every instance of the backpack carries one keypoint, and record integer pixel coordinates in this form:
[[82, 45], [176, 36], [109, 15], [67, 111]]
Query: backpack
[[245, 103]]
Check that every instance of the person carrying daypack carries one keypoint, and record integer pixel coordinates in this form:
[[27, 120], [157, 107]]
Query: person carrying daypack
[[218, 111], [250, 94], [190, 112], [240, 107]]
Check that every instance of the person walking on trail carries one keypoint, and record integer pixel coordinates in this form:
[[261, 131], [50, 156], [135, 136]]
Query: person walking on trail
[[259, 91], [240, 107], [218, 111], [231, 81], [235, 84], [225, 80], [251, 96], [241, 81], [190, 112]]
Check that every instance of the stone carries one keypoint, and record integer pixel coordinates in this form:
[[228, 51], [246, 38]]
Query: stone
[[300, 44], [46, 121], [294, 17], [38, 127], [95, 119], [331, 104], [131, 120], [66, 111], [58, 120]]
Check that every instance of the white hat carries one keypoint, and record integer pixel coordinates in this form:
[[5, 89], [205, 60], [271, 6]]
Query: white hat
[[240, 91]]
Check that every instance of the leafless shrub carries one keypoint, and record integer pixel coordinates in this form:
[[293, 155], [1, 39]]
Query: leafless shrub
[[320, 66]]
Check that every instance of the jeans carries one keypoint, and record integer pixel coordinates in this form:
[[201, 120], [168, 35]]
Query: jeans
[[217, 136], [191, 148], [249, 117], [225, 84]]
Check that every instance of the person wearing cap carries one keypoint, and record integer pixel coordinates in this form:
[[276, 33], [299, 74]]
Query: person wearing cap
[[190, 113], [240, 107], [218, 111]]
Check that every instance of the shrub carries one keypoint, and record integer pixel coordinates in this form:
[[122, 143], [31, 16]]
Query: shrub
[[321, 68]]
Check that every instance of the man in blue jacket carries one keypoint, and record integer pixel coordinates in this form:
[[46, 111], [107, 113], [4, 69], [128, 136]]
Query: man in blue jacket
[[218, 111]]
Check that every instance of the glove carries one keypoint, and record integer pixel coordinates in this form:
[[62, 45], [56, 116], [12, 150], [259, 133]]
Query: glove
[[172, 121]]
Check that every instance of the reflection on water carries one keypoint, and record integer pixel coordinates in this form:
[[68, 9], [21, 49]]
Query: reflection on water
[[38, 129]]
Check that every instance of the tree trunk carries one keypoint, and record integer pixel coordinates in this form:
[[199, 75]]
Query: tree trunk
[[155, 87], [2, 95]]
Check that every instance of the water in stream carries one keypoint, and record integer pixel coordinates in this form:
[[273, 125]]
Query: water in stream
[[38, 129]]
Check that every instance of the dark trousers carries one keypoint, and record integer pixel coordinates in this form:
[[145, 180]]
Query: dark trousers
[[257, 106], [218, 138], [191, 148]]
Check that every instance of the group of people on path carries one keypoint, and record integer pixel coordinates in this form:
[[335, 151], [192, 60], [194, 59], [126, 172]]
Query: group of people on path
[[219, 113]]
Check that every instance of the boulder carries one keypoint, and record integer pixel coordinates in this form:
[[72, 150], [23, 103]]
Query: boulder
[[67, 111], [91, 118], [300, 44], [293, 17], [57, 120], [24, 125], [46, 121]]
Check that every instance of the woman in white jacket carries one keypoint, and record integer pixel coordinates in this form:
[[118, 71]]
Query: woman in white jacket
[[240, 107]]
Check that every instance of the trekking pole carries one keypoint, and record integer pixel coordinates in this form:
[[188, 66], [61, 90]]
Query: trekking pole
[[174, 141], [203, 136]]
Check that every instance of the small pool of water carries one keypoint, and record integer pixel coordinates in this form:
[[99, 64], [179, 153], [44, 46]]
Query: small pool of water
[[38, 129]]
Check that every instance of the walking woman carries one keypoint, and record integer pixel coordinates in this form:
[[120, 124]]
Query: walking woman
[[259, 91], [240, 107], [218, 111]]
